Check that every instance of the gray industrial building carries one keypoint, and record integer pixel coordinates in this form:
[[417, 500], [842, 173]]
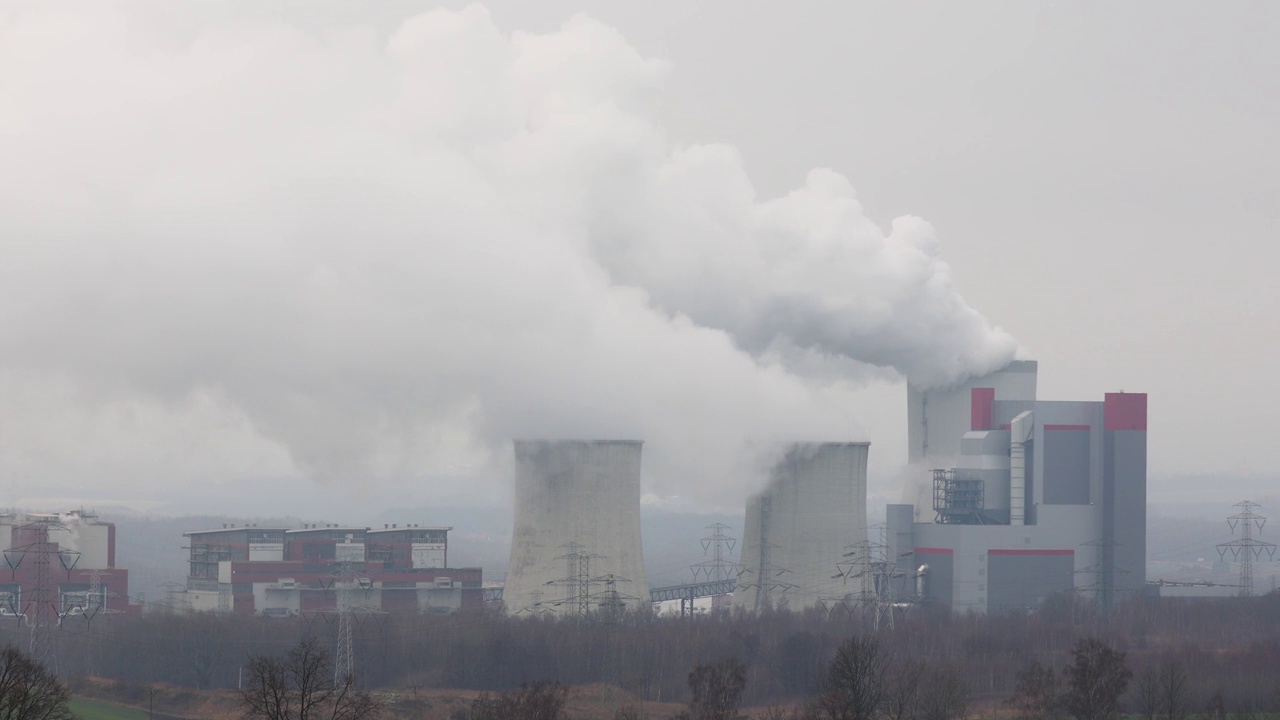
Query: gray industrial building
[[575, 545], [800, 527], [1024, 497]]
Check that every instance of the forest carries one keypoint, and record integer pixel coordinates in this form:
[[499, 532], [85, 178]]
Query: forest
[[1224, 653]]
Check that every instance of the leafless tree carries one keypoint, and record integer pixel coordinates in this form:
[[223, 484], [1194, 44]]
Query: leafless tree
[[1036, 695], [854, 687], [542, 700], [902, 695], [943, 696], [299, 686], [1164, 693], [716, 690], [28, 691], [1096, 680]]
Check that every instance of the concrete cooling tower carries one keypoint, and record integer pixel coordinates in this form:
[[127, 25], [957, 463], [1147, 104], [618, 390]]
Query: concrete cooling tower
[[801, 526], [575, 546]]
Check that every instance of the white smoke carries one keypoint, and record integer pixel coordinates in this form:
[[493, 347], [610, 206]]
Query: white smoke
[[390, 255]]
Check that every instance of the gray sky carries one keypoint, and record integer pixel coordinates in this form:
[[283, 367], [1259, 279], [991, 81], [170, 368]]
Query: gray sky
[[216, 270]]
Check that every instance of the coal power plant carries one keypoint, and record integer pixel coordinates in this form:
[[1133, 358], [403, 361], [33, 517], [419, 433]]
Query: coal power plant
[[1010, 499], [575, 545], [813, 512], [1023, 498]]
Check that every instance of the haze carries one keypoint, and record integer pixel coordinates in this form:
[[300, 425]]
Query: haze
[[266, 247]]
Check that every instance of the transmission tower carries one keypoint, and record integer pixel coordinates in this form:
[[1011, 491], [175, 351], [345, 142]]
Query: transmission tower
[[872, 572], [577, 579], [611, 603], [719, 567], [1103, 571], [766, 580], [344, 581], [1247, 548], [344, 658], [40, 610]]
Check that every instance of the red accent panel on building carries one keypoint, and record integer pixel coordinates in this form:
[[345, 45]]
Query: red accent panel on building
[[982, 403], [934, 551], [1066, 427], [111, 545], [1031, 552], [1125, 411]]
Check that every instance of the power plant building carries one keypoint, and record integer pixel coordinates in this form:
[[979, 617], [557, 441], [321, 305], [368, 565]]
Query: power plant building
[[78, 552], [1039, 497], [801, 526], [283, 572], [575, 545]]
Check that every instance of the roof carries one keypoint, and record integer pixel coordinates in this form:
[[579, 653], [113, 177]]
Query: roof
[[242, 528], [411, 527]]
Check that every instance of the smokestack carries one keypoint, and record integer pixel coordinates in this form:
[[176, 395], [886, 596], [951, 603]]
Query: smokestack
[[585, 492]]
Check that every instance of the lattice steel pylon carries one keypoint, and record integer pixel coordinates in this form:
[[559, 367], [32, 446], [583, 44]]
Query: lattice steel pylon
[[344, 655], [1247, 548], [766, 581], [865, 564], [719, 567], [577, 580], [42, 608]]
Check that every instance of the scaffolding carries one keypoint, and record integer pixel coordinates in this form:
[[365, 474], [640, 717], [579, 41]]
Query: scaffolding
[[957, 498]]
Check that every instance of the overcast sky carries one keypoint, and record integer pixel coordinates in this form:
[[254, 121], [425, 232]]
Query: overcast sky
[[363, 245]]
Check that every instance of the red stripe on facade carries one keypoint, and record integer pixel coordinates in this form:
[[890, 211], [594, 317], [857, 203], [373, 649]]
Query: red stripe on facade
[[1066, 427], [1031, 552], [1125, 411], [935, 551], [981, 408]]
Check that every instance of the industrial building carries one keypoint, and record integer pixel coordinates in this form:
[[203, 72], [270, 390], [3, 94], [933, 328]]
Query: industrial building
[[60, 565], [575, 546], [1023, 498], [802, 526], [279, 571]]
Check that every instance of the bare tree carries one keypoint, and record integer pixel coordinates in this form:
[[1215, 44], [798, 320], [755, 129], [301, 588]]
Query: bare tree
[[542, 700], [943, 696], [716, 690], [1164, 693], [1096, 680], [1036, 695], [300, 686], [902, 695], [854, 687], [28, 691]]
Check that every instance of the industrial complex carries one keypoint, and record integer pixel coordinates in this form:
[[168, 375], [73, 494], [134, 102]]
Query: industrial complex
[[60, 565], [1024, 497], [280, 571], [1011, 499]]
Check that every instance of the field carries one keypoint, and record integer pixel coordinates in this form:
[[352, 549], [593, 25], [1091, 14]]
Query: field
[[95, 710]]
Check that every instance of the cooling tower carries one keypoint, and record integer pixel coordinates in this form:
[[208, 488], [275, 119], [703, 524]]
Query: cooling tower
[[576, 538], [801, 526]]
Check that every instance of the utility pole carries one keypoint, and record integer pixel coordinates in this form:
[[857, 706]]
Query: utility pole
[[1247, 548]]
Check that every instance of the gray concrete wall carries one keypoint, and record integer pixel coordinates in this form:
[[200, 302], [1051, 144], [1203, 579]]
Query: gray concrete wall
[[581, 491], [801, 525]]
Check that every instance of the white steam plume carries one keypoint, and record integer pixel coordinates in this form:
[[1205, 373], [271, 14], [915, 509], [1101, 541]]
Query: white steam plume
[[378, 252]]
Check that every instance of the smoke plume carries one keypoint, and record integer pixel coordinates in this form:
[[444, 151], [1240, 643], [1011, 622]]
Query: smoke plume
[[228, 237]]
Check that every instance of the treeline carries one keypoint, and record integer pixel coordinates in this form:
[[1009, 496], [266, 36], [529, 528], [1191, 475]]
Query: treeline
[[1228, 649]]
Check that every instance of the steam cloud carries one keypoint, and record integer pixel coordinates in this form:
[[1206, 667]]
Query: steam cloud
[[389, 254]]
